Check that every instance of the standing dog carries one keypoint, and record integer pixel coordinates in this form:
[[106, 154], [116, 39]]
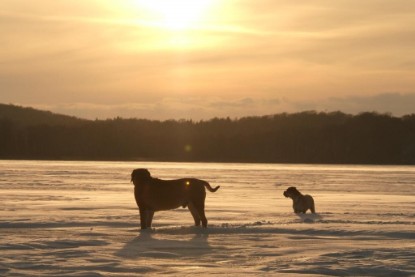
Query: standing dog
[[152, 194], [301, 203]]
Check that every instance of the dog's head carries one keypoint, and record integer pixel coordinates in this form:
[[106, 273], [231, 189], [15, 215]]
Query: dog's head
[[291, 192], [140, 175]]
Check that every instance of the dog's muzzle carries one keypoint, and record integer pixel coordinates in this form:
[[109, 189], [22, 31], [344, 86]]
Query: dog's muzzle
[[285, 194]]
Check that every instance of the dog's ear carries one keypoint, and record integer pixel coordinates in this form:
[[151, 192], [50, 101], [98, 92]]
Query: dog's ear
[[292, 190], [140, 174], [145, 175]]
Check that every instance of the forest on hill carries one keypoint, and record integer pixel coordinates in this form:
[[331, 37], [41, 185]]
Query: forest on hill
[[306, 137]]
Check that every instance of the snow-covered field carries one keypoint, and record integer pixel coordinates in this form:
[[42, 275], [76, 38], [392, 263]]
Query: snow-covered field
[[80, 219]]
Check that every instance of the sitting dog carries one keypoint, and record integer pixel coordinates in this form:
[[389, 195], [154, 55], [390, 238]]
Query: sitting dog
[[301, 203], [152, 194]]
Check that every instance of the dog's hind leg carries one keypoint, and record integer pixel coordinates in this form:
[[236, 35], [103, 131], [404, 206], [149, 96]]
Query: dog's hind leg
[[200, 208], [194, 213], [313, 208]]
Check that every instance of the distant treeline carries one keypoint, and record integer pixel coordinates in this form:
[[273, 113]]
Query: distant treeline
[[307, 137]]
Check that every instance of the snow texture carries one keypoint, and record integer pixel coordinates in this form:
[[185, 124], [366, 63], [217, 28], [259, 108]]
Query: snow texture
[[80, 219]]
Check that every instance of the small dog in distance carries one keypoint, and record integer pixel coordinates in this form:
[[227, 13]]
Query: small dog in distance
[[301, 202]]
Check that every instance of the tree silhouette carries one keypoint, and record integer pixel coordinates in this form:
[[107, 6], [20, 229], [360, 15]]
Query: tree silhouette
[[306, 137]]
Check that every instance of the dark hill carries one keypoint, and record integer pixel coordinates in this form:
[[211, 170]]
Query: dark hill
[[24, 116], [305, 137]]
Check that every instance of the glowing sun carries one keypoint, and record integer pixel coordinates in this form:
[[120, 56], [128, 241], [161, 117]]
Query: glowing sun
[[176, 14]]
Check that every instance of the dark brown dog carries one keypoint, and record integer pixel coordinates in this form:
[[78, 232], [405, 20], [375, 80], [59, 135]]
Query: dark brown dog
[[152, 194], [301, 203]]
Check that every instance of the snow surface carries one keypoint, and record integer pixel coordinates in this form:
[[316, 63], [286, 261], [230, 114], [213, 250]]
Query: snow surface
[[80, 219]]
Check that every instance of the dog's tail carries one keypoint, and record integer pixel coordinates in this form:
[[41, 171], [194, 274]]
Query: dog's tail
[[207, 185]]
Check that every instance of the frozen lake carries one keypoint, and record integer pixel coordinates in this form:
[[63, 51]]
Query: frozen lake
[[80, 219]]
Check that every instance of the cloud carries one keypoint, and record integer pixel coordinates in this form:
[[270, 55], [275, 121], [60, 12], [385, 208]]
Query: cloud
[[394, 103], [165, 108], [203, 108], [251, 58]]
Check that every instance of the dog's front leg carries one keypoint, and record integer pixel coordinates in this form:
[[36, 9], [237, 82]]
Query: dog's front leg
[[143, 217], [149, 215]]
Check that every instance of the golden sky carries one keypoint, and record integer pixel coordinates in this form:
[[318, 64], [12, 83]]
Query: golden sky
[[163, 59]]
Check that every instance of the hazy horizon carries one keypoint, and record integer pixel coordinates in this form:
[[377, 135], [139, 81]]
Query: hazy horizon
[[199, 60]]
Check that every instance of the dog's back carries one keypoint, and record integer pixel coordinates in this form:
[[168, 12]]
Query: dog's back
[[162, 194]]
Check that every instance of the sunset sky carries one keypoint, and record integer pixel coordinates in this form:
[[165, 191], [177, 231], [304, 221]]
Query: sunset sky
[[173, 59]]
